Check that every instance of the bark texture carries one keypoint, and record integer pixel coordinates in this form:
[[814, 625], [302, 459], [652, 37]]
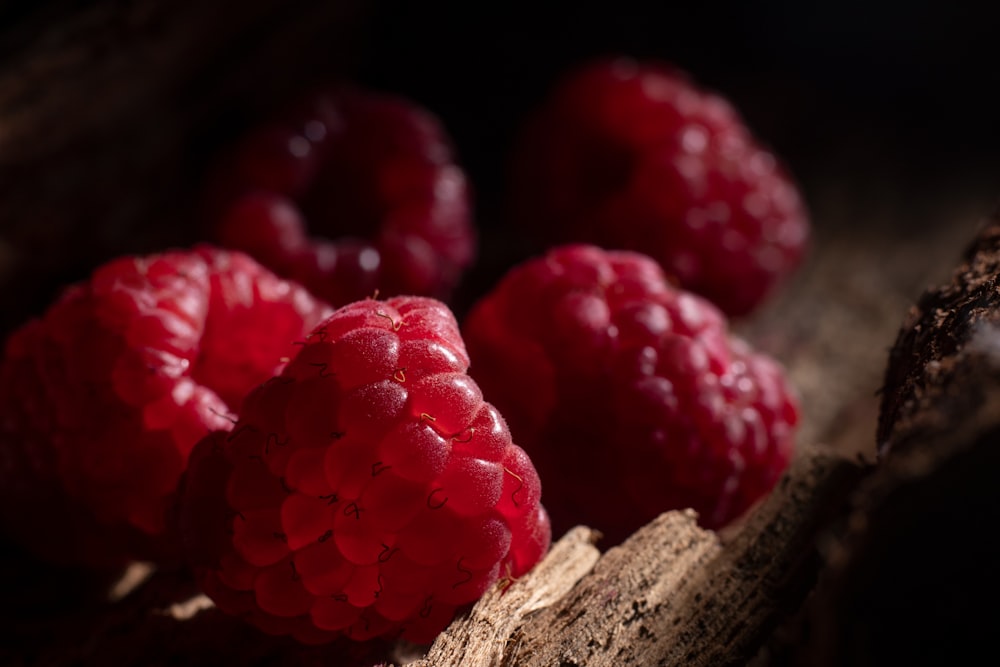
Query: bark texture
[[912, 579]]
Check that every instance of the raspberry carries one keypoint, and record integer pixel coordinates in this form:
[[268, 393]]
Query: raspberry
[[366, 491], [372, 172], [633, 156], [103, 397], [628, 393]]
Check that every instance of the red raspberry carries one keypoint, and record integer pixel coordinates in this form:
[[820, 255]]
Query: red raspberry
[[628, 393], [373, 172], [103, 397], [366, 491], [633, 156]]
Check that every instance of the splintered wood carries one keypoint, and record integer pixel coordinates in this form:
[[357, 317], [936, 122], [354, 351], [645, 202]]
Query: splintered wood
[[912, 577], [672, 594], [481, 638]]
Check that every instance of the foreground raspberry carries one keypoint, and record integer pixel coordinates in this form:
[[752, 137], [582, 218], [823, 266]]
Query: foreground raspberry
[[103, 397], [627, 393], [366, 491], [634, 156], [373, 179]]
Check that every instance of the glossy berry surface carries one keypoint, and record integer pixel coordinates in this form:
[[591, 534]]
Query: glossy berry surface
[[349, 192], [629, 394], [103, 397], [631, 155], [366, 491]]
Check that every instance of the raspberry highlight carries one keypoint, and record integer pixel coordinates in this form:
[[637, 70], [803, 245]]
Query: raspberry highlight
[[368, 490]]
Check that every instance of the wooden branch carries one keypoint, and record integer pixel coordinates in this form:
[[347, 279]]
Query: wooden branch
[[672, 593], [913, 577], [480, 638], [613, 613], [945, 347]]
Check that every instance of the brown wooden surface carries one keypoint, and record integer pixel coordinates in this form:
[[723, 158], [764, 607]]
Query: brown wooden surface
[[912, 577]]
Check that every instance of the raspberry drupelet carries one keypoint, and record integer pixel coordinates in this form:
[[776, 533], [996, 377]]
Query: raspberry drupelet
[[103, 397], [349, 192], [366, 491], [629, 394], [632, 155]]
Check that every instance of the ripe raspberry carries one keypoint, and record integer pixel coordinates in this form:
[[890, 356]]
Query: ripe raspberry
[[103, 397], [372, 172], [628, 393], [366, 491], [633, 156]]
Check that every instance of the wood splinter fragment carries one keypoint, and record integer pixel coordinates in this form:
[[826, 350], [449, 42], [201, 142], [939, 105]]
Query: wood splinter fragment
[[671, 594], [479, 639], [188, 609]]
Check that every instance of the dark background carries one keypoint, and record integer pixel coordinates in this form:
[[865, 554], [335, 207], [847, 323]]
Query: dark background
[[891, 100], [885, 112]]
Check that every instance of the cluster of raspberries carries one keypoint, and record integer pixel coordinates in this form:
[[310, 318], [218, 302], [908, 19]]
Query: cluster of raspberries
[[330, 463]]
